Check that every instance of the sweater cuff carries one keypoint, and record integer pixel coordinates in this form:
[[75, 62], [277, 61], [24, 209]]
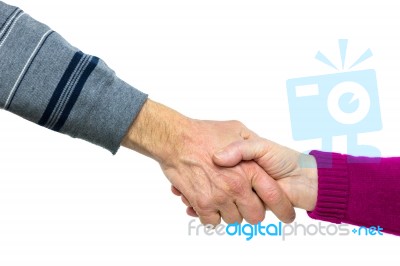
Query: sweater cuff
[[333, 187], [105, 109]]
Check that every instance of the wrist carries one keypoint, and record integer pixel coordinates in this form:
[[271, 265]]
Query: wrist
[[309, 181], [158, 132]]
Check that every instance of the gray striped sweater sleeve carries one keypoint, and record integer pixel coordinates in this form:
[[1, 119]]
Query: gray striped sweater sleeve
[[49, 82]]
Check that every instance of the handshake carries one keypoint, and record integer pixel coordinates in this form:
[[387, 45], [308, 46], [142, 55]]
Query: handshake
[[223, 170]]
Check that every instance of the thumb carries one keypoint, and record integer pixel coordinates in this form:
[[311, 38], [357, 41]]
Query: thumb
[[238, 151]]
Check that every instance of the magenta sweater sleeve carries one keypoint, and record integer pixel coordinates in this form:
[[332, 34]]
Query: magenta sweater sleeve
[[358, 190]]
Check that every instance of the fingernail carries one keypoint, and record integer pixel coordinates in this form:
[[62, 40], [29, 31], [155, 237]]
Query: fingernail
[[220, 154]]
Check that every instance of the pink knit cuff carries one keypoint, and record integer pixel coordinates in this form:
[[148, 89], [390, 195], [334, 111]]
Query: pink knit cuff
[[333, 187]]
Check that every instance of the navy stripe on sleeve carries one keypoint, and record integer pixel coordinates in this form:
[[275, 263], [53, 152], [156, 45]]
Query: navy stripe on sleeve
[[75, 94], [68, 90]]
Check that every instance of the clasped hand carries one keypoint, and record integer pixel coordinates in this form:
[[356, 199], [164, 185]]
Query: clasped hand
[[223, 170], [233, 174]]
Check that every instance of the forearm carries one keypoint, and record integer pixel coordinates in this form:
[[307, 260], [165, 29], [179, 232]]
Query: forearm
[[158, 132], [49, 82]]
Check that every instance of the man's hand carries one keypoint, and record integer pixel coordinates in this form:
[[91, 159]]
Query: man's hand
[[296, 173], [185, 147]]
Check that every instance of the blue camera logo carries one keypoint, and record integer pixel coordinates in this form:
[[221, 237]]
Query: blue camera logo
[[344, 103]]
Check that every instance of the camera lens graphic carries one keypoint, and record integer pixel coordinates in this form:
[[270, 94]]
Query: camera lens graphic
[[348, 103]]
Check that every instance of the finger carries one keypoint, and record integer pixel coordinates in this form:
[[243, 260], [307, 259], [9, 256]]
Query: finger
[[251, 208], [271, 194], [250, 205], [238, 151], [175, 191], [185, 201], [213, 218], [191, 212], [230, 213]]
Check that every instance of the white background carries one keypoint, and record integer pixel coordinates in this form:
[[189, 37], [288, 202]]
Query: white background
[[63, 200]]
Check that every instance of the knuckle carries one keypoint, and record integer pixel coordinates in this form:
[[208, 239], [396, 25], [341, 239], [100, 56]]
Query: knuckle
[[213, 222], [273, 196], [204, 203], [219, 199], [236, 186], [255, 219], [238, 220], [210, 218]]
